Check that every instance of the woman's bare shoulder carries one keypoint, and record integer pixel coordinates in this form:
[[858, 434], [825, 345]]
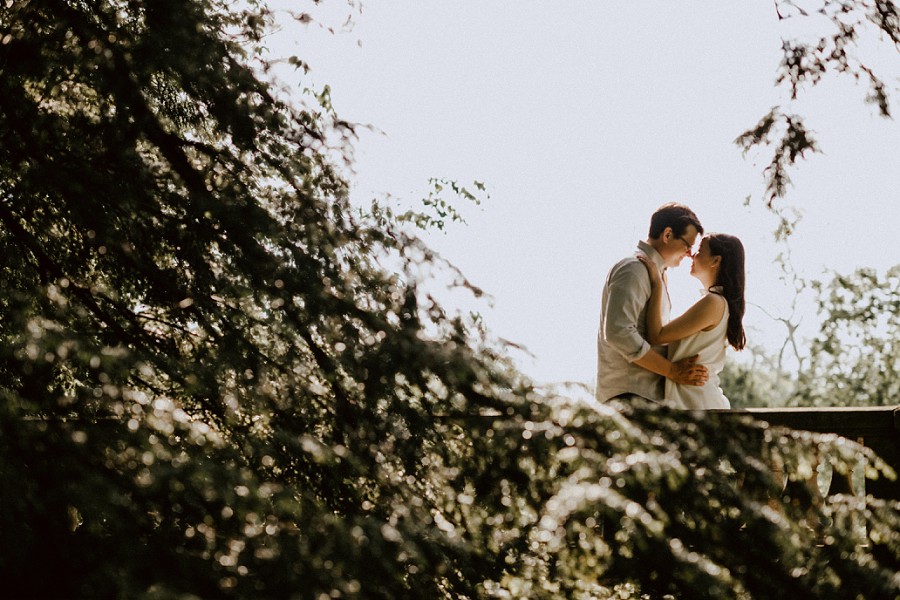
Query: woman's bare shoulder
[[712, 304]]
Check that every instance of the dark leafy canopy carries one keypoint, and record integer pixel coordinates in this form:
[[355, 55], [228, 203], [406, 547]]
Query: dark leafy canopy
[[211, 388]]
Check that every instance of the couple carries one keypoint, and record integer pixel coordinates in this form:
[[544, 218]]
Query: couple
[[640, 351]]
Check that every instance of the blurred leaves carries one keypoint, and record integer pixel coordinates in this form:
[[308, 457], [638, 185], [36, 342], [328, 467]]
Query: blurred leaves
[[793, 141], [855, 359], [439, 207], [804, 64], [851, 360], [211, 385]]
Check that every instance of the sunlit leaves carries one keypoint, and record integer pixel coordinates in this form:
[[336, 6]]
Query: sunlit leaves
[[855, 358], [219, 381]]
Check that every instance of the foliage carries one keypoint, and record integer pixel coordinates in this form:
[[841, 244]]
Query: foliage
[[758, 381], [437, 208], [852, 360], [855, 359], [762, 377], [805, 63], [211, 388]]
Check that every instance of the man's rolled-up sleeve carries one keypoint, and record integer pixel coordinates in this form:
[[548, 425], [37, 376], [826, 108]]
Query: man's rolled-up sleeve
[[629, 291]]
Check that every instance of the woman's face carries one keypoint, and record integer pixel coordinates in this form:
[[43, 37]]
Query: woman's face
[[703, 262]]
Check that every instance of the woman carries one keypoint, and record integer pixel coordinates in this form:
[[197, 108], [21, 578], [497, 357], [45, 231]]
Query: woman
[[707, 327]]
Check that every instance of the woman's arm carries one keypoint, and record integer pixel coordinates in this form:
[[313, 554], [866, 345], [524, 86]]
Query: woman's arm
[[702, 315]]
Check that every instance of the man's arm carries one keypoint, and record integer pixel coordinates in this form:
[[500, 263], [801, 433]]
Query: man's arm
[[685, 371]]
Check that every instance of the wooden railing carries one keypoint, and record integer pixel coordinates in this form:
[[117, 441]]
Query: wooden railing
[[877, 427]]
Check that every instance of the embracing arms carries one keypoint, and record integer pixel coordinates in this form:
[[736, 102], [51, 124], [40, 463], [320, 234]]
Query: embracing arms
[[628, 289], [702, 315], [685, 371]]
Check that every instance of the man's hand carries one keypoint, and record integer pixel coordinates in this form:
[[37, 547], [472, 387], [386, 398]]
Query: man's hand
[[687, 372]]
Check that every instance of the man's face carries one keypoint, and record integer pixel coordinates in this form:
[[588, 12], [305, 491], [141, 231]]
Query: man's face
[[677, 249]]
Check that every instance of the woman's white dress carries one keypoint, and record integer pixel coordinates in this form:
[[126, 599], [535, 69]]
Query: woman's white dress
[[711, 346]]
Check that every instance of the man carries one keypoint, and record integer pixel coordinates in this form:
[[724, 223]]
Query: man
[[627, 365]]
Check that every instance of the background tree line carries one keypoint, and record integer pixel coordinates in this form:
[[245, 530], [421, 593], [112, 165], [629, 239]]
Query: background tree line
[[852, 359]]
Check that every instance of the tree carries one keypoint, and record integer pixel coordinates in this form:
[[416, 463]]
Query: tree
[[212, 388], [806, 63], [851, 361], [771, 378], [854, 358]]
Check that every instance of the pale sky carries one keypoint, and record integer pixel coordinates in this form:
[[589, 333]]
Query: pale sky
[[582, 117]]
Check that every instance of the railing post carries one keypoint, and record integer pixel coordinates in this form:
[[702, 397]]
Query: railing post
[[876, 427], [887, 446]]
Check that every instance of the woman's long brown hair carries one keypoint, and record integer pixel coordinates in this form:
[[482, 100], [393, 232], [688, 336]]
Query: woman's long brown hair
[[731, 278]]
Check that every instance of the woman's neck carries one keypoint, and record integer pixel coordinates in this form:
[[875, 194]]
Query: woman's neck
[[708, 280]]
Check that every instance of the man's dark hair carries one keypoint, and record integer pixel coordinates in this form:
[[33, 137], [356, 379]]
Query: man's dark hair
[[674, 215]]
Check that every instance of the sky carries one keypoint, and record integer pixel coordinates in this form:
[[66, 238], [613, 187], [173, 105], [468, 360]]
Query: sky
[[581, 118]]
